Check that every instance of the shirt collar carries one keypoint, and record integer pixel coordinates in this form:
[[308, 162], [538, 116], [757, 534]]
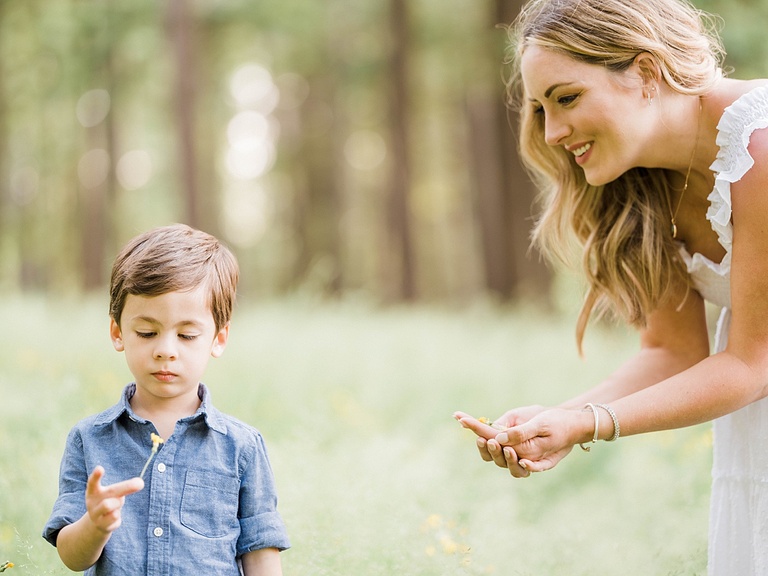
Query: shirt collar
[[213, 418]]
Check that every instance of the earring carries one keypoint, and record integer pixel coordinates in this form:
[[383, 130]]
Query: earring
[[650, 97]]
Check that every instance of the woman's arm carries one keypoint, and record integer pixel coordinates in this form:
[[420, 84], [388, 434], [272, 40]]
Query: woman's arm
[[674, 339]]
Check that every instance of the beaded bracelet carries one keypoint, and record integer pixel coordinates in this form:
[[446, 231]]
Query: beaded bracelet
[[616, 427], [597, 421]]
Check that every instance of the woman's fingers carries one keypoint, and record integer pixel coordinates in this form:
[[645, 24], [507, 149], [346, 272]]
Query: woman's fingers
[[481, 429], [482, 447], [515, 467]]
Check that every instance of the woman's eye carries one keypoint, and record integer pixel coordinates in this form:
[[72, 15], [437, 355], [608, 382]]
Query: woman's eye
[[566, 100]]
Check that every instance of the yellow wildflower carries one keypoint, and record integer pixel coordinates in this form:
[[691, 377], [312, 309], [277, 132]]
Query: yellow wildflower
[[156, 441], [491, 423], [5, 566]]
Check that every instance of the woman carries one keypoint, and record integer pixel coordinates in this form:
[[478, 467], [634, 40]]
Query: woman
[[657, 165]]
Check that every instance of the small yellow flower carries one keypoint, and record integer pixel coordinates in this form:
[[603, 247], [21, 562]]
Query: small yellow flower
[[156, 441], [5, 566], [490, 423]]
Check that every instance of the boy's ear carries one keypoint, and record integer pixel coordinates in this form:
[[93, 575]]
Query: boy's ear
[[116, 335], [220, 342]]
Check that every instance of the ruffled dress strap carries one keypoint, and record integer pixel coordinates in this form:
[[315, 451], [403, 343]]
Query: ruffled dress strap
[[739, 120]]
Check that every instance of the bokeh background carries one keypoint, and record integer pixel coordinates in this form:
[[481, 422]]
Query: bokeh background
[[359, 159]]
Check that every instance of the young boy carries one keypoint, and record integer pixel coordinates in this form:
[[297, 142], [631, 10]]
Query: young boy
[[207, 504]]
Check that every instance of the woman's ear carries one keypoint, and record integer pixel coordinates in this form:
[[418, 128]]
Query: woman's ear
[[116, 335], [649, 73]]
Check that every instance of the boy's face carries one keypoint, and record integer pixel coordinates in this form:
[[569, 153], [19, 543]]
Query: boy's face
[[168, 340]]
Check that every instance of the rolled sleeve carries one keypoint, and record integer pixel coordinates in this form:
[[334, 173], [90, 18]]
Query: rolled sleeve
[[73, 477], [261, 525], [263, 531]]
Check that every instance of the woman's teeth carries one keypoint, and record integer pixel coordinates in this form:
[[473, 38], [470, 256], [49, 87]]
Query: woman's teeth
[[582, 150]]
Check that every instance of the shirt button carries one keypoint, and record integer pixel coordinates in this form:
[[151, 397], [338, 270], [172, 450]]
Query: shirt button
[[161, 467], [158, 531]]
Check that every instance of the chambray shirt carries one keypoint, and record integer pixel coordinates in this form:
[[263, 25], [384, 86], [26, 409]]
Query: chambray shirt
[[209, 494]]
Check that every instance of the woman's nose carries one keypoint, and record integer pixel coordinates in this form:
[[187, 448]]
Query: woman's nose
[[555, 131]]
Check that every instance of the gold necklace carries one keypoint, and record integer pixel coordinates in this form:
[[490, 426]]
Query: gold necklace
[[673, 215]]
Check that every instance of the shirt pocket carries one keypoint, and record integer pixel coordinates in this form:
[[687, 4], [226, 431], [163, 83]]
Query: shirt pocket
[[209, 503]]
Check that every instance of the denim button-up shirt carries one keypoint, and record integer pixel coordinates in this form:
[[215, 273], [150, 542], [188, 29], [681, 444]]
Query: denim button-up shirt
[[209, 495]]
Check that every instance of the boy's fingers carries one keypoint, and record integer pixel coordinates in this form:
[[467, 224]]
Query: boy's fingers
[[94, 480], [116, 490], [124, 488]]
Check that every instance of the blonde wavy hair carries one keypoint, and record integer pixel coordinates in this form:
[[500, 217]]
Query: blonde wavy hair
[[621, 229]]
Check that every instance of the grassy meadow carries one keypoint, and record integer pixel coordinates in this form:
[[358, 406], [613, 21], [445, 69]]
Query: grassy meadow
[[374, 475]]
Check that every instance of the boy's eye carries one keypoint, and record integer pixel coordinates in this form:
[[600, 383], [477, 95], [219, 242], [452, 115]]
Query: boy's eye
[[145, 334], [187, 336]]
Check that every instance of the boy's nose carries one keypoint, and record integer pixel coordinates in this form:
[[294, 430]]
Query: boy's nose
[[165, 350]]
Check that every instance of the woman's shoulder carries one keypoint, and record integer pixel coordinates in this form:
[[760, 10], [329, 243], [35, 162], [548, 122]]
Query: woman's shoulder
[[730, 90], [742, 107]]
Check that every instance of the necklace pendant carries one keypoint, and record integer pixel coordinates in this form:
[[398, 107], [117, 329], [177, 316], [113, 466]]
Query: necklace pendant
[[674, 230]]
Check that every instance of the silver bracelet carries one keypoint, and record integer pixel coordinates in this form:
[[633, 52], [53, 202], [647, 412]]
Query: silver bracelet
[[616, 427], [597, 421]]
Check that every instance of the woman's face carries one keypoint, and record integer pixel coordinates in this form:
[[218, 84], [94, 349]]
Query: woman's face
[[599, 116]]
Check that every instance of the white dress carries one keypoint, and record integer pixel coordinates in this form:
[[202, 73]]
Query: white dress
[[738, 524]]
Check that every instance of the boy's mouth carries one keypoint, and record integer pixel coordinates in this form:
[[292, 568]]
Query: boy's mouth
[[164, 376]]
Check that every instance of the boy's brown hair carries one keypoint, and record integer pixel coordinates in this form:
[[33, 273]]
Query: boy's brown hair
[[175, 258]]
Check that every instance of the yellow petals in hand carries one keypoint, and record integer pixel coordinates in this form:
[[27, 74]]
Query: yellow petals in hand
[[489, 422]]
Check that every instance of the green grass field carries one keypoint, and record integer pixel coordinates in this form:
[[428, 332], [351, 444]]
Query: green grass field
[[374, 475]]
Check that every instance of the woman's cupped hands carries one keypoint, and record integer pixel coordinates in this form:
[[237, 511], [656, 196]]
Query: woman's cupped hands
[[524, 440]]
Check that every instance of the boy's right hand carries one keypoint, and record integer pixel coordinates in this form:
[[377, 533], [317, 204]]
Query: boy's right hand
[[105, 503]]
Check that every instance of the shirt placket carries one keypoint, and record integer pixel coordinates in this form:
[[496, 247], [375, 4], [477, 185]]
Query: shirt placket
[[158, 526]]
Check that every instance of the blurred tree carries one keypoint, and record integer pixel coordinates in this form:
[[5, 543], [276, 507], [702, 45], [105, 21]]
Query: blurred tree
[[96, 167], [503, 191], [181, 27], [318, 200], [396, 170], [401, 257], [531, 277]]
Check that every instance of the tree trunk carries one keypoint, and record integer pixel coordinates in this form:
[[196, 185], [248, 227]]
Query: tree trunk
[[181, 32], [490, 198], [532, 278], [97, 197], [317, 204], [400, 174]]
